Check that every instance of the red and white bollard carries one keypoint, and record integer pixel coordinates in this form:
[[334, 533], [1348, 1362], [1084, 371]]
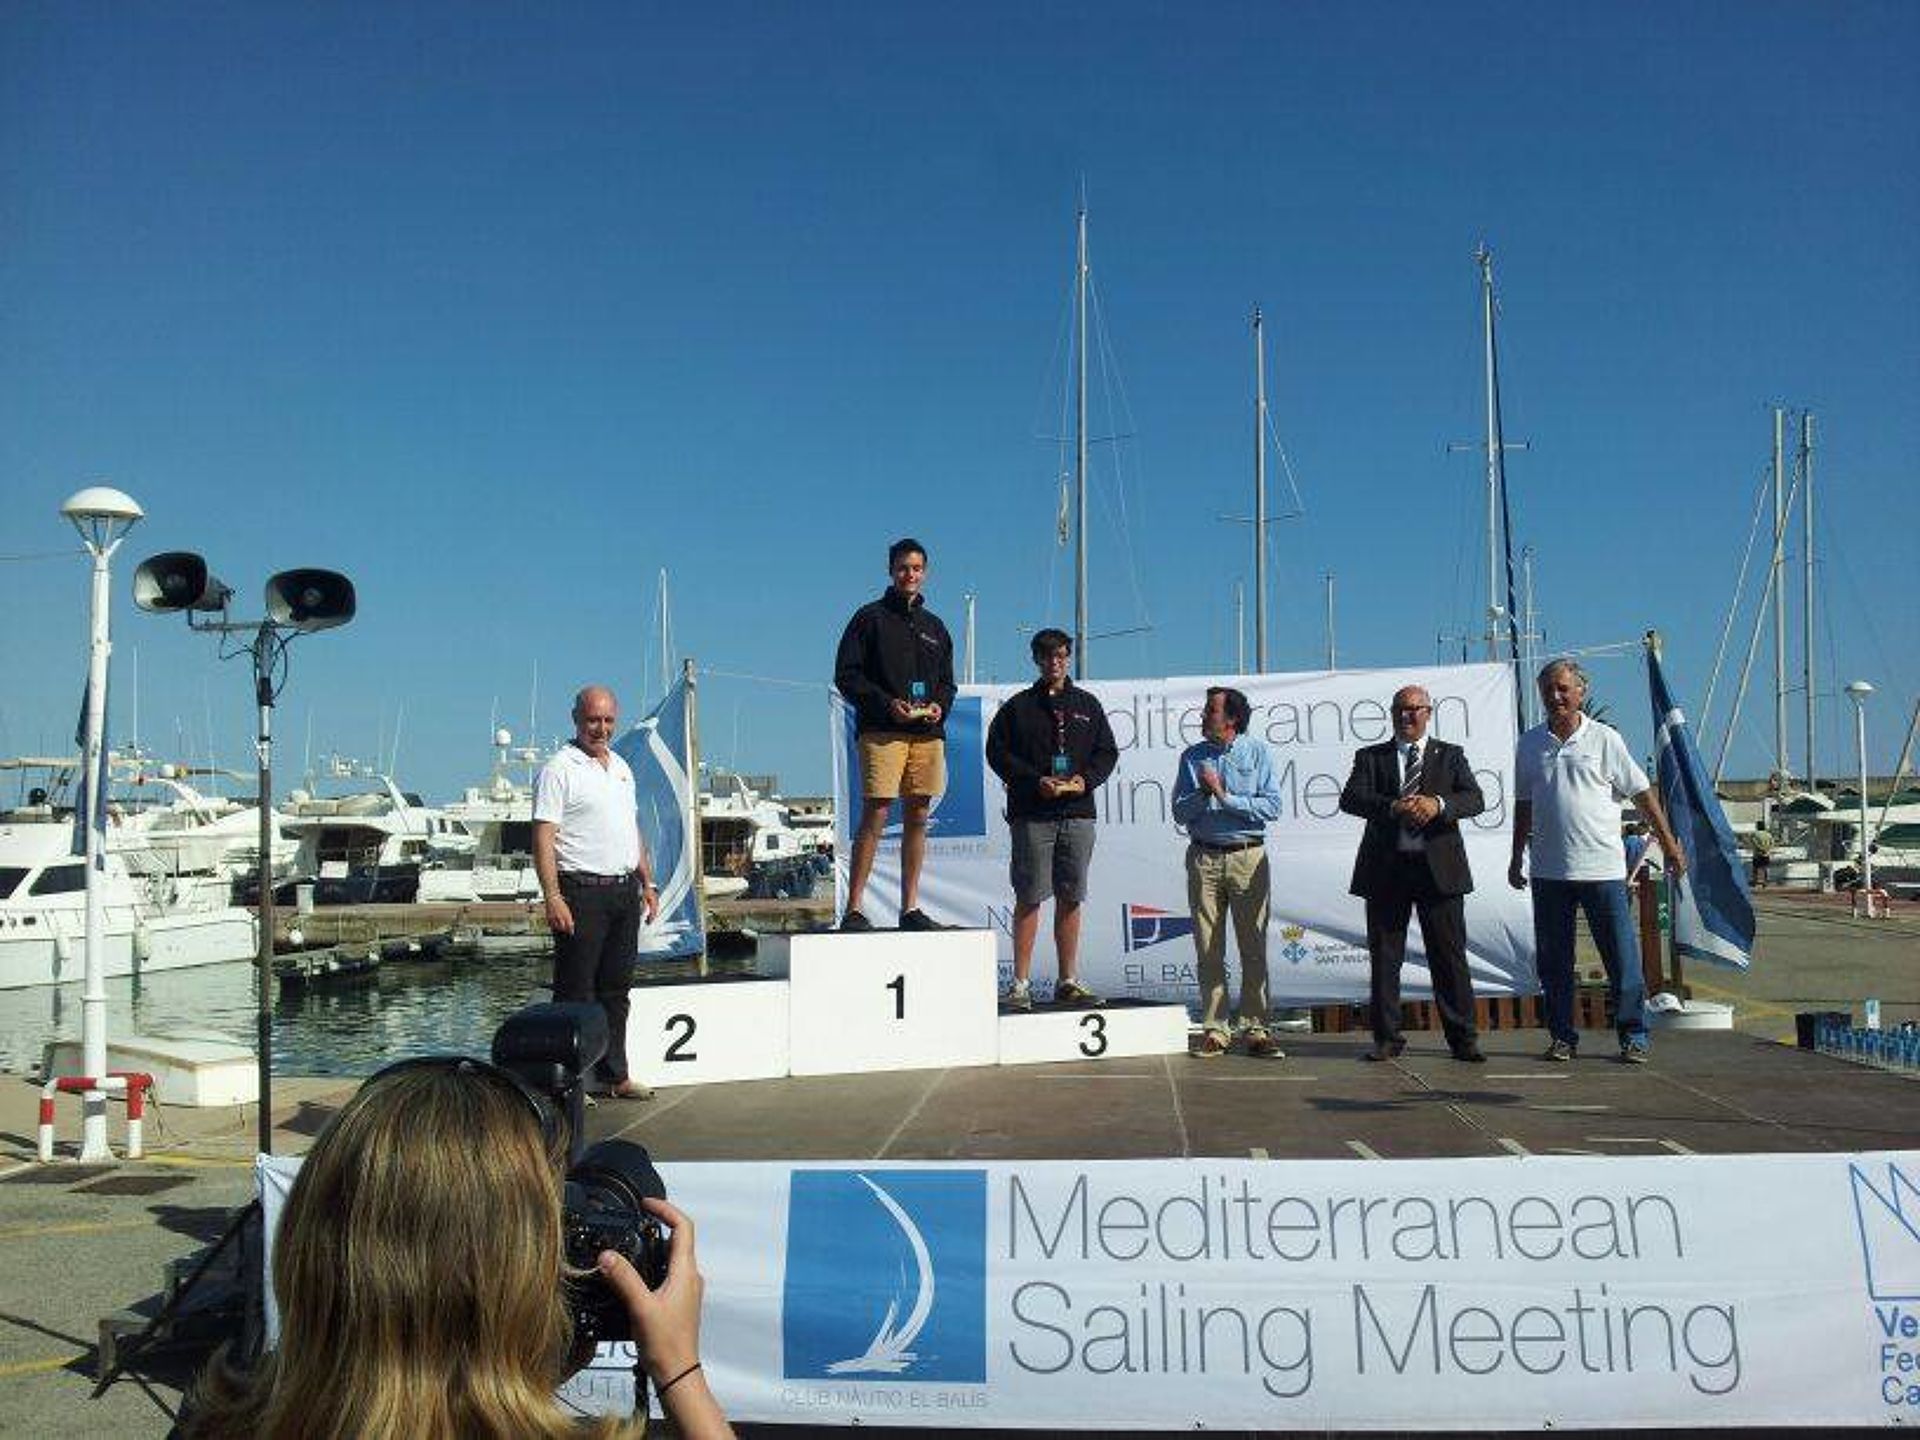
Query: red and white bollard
[[131, 1083], [1876, 904]]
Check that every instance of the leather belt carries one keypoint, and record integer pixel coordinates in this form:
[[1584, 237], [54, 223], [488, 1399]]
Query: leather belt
[[1231, 848], [588, 878]]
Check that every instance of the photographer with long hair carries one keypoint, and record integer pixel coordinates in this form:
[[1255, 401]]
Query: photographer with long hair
[[419, 1269]]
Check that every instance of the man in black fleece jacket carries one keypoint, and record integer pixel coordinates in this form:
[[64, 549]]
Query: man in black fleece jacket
[[1052, 746], [895, 667]]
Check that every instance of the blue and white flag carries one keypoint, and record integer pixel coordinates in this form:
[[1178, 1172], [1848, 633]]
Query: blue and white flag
[[90, 806], [657, 752], [1712, 909]]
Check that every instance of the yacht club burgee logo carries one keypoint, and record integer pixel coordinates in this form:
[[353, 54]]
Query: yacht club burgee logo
[[886, 1276]]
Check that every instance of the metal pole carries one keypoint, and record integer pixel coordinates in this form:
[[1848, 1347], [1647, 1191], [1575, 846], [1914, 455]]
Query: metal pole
[[1333, 653], [1529, 694], [970, 638], [1806, 600], [693, 805], [263, 951], [1779, 593], [1485, 257], [1259, 496], [1860, 744], [93, 997], [1082, 661]]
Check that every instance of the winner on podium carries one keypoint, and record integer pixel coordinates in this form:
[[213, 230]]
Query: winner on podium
[[895, 667]]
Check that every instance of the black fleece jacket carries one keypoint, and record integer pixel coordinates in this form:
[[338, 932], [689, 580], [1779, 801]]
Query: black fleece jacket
[[889, 644], [1022, 740]]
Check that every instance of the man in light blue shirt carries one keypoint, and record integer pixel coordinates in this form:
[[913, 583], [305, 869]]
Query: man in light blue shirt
[[1224, 794]]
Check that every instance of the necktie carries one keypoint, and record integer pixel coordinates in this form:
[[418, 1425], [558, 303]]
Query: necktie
[[1410, 782]]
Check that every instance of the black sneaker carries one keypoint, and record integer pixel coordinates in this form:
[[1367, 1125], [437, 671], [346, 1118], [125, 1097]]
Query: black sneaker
[[918, 919], [854, 923]]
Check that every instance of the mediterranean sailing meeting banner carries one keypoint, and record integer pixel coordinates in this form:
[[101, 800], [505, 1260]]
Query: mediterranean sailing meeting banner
[[1137, 938], [1469, 1295]]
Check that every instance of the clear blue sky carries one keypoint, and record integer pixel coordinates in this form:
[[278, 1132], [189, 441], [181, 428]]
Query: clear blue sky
[[502, 308]]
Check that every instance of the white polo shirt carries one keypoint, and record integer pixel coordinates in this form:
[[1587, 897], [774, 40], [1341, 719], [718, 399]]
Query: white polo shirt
[[1575, 787], [591, 806]]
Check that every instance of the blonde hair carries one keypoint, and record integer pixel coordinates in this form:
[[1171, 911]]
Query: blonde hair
[[418, 1269]]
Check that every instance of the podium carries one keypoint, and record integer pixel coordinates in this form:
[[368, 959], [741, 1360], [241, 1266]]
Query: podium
[[691, 1033], [853, 1004], [892, 1000], [1106, 1032]]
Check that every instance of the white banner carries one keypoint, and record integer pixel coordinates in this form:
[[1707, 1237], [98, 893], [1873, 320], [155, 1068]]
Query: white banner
[[1531, 1293], [1136, 938]]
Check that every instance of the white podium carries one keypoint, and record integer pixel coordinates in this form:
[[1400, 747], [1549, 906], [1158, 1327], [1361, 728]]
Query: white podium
[[692, 1032], [1120, 1027], [892, 1000]]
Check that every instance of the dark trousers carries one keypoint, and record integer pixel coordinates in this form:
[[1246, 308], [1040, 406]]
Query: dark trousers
[[596, 961], [1443, 926]]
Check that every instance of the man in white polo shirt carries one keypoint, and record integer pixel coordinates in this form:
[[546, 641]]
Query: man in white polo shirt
[[1570, 776], [593, 872]]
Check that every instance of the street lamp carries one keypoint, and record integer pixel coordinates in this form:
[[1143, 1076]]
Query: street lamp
[[103, 516], [298, 602], [1858, 692]]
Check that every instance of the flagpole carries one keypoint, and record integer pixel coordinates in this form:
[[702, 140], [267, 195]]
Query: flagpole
[[693, 806]]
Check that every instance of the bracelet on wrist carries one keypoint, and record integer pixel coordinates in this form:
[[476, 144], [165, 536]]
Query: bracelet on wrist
[[666, 1385]]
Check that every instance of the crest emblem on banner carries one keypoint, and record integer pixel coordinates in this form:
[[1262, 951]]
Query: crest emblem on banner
[[886, 1276], [1143, 925], [1889, 1221]]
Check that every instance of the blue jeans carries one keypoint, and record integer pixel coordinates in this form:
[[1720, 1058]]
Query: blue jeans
[[1610, 918]]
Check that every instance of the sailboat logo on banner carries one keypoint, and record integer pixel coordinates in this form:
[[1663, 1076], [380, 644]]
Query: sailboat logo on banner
[[1889, 1221], [886, 1276]]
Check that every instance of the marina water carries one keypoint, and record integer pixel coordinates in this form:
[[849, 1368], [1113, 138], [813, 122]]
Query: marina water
[[414, 1007]]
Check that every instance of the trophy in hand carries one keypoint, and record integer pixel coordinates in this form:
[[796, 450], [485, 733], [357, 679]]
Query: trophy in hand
[[919, 708]]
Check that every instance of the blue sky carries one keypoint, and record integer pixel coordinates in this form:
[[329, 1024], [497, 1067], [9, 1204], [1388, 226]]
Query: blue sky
[[502, 308]]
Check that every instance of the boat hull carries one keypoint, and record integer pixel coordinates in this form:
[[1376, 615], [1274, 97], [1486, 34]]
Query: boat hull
[[172, 942]]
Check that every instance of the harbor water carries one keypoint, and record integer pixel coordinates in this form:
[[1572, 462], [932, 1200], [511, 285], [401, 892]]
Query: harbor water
[[411, 1007]]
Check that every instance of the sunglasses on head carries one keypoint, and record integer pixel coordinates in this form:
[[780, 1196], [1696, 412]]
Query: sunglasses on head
[[550, 1119]]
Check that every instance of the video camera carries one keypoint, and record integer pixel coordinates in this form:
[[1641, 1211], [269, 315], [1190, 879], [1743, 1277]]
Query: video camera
[[551, 1049]]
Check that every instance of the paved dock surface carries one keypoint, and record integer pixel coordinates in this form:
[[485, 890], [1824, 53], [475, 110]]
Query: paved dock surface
[[79, 1243]]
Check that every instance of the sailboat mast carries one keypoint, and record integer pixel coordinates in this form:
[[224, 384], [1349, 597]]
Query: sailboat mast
[[1485, 257], [1082, 661], [1779, 593], [1806, 605], [1333, 653], [1259, 495], [970, 638], [666, 638]]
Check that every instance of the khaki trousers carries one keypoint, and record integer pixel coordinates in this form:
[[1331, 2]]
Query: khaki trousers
[[1222, 886]]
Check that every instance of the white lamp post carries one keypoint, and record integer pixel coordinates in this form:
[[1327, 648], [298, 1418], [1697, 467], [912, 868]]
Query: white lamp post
[[1858, 692], [102, 516]]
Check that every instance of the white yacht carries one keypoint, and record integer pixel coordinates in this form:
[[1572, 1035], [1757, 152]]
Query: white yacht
[[369, 846], [151, 922], [748, 845], [499, 818]]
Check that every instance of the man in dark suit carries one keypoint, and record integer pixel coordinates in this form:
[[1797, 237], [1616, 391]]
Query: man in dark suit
[[1413, 792]]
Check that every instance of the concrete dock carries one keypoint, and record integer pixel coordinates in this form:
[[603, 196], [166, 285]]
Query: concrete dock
[[83, 1243]]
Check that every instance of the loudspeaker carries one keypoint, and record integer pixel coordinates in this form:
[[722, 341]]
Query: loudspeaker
[[178, 580], [310, 599]]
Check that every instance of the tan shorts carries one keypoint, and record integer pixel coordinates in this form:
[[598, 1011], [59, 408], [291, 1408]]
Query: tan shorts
[[893, 764]]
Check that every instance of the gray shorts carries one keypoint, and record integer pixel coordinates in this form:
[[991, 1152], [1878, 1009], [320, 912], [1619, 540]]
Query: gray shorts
[[1050, 860]]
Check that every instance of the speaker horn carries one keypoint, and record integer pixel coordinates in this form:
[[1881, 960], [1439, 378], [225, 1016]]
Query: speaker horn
[[178, 580], [310, 599]]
